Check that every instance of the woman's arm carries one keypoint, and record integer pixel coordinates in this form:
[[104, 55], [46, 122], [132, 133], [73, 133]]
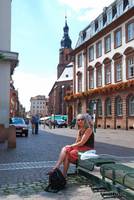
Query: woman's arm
[[84, 138]]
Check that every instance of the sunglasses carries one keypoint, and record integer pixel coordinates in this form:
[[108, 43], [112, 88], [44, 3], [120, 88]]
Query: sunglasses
[[80, 119]]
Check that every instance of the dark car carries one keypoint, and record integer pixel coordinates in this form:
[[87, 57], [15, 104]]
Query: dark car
[[20, 125]]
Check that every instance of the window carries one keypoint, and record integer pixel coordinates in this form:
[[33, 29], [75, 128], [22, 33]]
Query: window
[[107, 43], [118, 108], [118, 71], [99, 107], [131, 106], [108, 106], [117, 38], [130, 64], [91, 53], [80, 60], [91, 78], [130, 31], [99, 76], [99, 49], [107, 73], [80, 83]]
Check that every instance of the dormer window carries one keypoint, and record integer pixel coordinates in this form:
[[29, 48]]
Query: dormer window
[[119, 8], [125, 4], [96, 25], [114, 11], [109, 16], [84, 35], [104, 18], [100, 23]]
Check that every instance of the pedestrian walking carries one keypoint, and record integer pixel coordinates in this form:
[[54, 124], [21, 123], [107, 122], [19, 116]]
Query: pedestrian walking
[[33, 124], [36, 124]]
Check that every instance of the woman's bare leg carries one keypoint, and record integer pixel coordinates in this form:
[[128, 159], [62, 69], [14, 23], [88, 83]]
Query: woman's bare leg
[[61, 158], [66, 163]]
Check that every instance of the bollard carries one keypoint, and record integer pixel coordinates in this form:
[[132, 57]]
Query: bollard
[[11, 132], [3, 135]]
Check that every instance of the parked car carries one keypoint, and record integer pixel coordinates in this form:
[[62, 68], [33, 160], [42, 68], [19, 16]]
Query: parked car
[[60, 123], [20, 125]]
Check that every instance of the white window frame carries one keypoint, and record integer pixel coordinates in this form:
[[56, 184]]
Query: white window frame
[[91, 79], [99, 77], [108, 107], [91, 53], [108, 74], [108, 43], [130, 62], [130, 31], [79, 60], [118, 38], [118, 68], [99, 49], [79, 83], [131, 106], [119, 106]]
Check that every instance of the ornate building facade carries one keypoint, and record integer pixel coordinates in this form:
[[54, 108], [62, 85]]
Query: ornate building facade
[[104, 68]]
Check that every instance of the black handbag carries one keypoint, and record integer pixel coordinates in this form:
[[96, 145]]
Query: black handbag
[[57, 181]]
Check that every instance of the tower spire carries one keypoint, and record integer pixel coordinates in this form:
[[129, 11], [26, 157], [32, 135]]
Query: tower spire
[[66, 41]]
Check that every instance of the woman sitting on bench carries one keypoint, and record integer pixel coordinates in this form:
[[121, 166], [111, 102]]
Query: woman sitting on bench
[[84, 142]]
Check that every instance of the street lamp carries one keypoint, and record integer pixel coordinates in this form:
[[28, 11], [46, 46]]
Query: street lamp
[[94, 114], [62, 99], [54, 110]]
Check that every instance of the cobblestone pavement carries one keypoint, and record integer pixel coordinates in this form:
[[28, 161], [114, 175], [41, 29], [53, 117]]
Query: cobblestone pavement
[[23, 174]]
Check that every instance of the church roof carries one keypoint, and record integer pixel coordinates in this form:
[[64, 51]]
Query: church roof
[[67, 74]]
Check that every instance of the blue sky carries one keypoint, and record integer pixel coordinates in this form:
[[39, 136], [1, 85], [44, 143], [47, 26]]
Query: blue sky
[[37, 29]]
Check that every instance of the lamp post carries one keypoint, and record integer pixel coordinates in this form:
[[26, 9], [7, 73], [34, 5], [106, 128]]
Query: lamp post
[[54, 106], [62, 99], [94, 114]]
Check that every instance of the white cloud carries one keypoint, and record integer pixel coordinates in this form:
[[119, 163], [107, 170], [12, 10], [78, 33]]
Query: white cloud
[[30, 85], [90, 9]]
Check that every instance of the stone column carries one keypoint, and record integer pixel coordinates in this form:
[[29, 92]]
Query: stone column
[[11, 132], [2, 133]]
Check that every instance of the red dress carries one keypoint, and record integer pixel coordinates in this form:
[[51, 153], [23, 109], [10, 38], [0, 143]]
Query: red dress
[[73, 151]]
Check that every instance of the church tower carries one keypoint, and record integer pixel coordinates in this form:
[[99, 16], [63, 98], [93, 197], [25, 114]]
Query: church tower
[[64, 51]]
